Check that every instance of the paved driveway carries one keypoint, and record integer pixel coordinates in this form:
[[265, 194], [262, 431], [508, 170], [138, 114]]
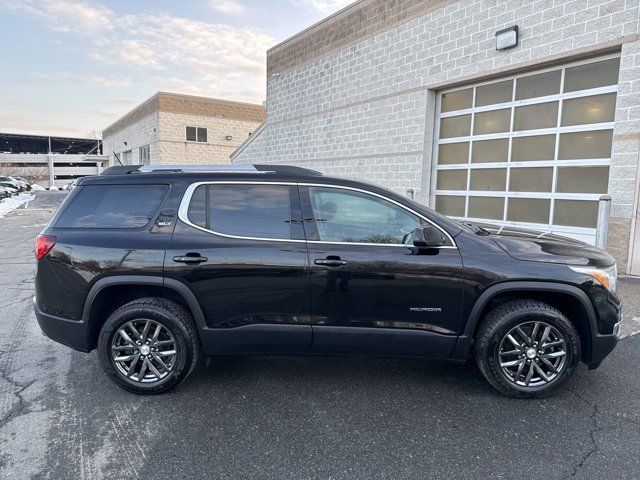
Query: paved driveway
[[293, 418]]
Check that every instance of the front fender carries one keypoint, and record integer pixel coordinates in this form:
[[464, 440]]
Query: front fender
[[463, 345]]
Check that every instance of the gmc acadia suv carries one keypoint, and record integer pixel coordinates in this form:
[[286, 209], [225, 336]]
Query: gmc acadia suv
[[155, 266]]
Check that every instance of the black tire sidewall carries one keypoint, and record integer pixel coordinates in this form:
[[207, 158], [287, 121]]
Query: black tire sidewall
[[184, 357], [488, 360]]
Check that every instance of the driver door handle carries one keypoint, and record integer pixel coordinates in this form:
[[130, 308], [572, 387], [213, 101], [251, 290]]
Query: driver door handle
[[330, 261]]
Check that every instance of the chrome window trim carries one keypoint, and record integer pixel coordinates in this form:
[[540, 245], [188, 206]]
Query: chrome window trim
[[186, 200]]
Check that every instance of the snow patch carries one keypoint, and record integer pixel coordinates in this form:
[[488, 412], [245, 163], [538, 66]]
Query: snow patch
[[630, 327], [8, 205]]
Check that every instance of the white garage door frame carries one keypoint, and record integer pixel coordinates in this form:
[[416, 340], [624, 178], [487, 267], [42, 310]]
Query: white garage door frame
[[581, 233]]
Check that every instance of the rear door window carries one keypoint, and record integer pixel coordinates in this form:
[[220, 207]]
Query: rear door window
[[268, 212], [113, 206]]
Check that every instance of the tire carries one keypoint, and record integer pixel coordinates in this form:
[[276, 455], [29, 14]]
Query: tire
[[177, 333], [495, 352]]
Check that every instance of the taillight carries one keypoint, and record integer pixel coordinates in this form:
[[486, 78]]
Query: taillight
[[44, 244]]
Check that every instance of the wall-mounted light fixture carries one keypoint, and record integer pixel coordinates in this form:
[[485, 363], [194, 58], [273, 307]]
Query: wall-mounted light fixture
[[228, 137], [125, 143], [507, 38]]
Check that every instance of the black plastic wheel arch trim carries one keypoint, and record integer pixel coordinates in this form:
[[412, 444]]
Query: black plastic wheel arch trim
[[150, 280], [463, 344]]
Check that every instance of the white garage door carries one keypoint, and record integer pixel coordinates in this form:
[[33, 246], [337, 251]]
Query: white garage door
[[530, 150]]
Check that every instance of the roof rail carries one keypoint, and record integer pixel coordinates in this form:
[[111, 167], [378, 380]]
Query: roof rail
[[263, 169], [199, 168]]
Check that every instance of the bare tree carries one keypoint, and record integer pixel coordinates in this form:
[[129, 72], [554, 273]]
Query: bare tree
[[95, 135]]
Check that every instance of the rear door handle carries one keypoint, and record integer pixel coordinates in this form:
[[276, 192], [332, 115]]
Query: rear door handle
[[190, 258], [330, 262]]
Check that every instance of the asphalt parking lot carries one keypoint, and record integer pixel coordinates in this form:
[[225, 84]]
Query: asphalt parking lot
[[295, 418]]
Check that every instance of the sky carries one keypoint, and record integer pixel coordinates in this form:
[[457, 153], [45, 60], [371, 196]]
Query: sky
[[74, 67]]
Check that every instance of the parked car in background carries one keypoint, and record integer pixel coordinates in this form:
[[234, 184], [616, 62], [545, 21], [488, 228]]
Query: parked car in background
[[11, 184], [23, 181], [22, 187], [19, 185], [5, 192], [155, 265]]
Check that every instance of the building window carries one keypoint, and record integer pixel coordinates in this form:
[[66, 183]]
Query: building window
[[530, 150], [196, 134], [144, 155]]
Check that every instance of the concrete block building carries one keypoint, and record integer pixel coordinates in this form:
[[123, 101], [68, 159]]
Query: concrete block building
[[174, 128], [417, 96]]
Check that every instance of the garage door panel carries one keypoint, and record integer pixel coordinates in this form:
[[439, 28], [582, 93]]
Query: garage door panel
[[540, 85], [534, 149]]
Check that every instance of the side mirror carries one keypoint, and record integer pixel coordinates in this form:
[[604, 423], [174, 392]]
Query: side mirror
[[428, 236]]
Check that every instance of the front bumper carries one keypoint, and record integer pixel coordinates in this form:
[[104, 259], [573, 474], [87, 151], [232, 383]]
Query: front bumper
[[601, 346], [72, 333], [604, 340]]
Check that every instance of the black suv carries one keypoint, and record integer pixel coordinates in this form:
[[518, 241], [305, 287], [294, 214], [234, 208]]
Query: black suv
[[155, 266]]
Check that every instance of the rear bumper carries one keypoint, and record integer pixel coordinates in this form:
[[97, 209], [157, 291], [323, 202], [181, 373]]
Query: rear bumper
[[72, 333]]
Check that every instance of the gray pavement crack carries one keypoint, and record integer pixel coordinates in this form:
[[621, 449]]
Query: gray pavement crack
[[596, 428], [592, 436], [16, 302], [22, 405]]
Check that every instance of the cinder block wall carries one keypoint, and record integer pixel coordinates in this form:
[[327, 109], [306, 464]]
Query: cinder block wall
[[175, 149], [143, 132], [623, 173], [352, 95], [161, 122]]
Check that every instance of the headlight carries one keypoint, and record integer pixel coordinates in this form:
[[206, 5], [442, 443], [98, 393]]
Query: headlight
[[607, 277]]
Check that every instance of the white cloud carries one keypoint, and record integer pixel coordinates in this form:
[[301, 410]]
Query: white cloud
[[106, 81], [325, 6], [64, 15], [228, 7], [96, 80], [211, 59]]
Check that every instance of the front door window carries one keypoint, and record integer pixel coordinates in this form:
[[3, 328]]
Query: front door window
[[354, 217]]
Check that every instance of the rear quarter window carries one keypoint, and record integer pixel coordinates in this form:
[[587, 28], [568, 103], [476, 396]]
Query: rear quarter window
[[113, 206]]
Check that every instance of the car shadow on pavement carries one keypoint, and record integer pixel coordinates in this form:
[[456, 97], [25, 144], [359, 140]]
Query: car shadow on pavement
[[333, 417], [341, 372]]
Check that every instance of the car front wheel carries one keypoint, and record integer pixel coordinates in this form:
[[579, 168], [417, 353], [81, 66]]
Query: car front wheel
[[148, 346], [526, 348]]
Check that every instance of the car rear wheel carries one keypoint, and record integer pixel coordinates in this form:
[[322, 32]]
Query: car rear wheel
[[148, 346], [526, 348]]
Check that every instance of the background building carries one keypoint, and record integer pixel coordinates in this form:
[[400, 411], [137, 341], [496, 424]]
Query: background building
[[49, 160], [415, 95], [173, 128]]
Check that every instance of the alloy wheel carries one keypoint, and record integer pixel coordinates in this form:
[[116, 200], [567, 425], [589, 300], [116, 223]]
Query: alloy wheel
[[532, 354], [144, 351]]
